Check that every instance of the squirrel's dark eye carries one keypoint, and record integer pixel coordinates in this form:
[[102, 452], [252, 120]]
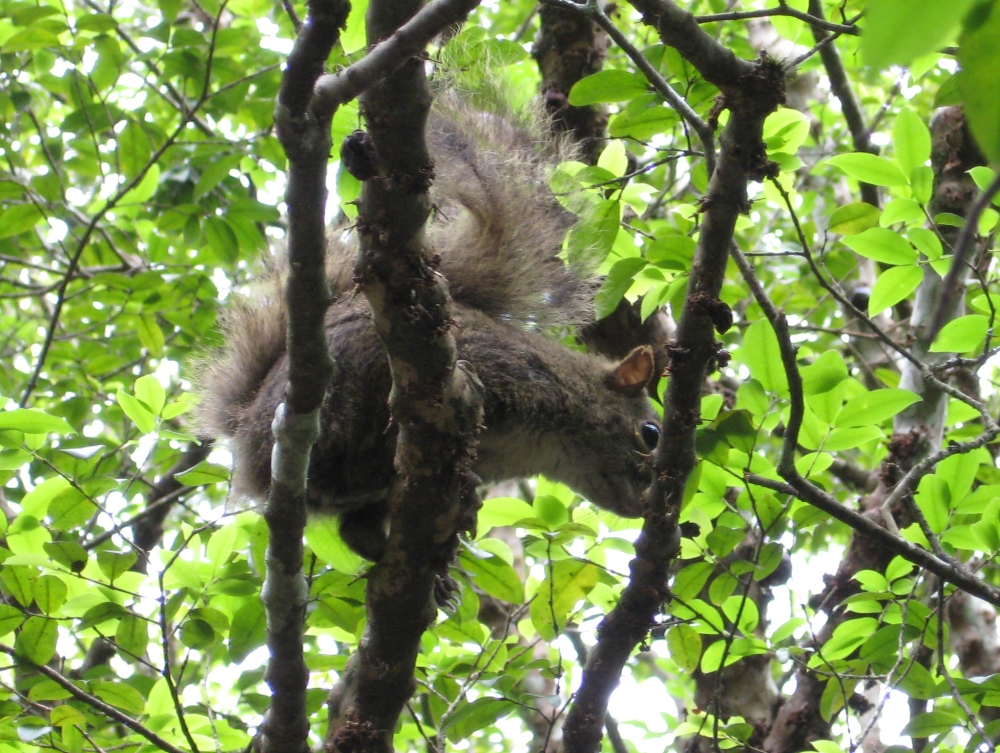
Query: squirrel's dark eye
[[650, 434]]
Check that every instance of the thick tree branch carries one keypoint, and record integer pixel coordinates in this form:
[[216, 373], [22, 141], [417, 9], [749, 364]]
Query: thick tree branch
[[678, 28], [435, 402], [407, 41], [592, 9], [570, 46], [752, 92], [306, 141]]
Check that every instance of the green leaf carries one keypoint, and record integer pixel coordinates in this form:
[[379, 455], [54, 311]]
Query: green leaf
[[551, 510], [711, 659], [148, 389], [762, 355], [642, 124], [983, 177], [931, 723], [18, 219], [249, 629], [911, 140], [134, 149], [63, 716], [144, 190], [689, 581], [101, 613], [197, 634], [901, 210], [851, 219], [142, 418], [31, 421], [591, 239], [934, 500], [67, 553], [616, 284], [961, 335], [50, 593], [37, 640], [847, 637], [874, 407], [882, 244], [213, 174], [672, 252], [684, 645], [132, 636], [204, 473], [474, 716], [922, 183], [897, 31], [892, 286], [121, 696], [568, 582], [949, 93], [850, 438], [607, 86], [494, 576], [323, 538], [823, 374], [614, 158], [114, 564], [979, 55], [918, 682], [926, 242], [19, 581], [69, 509], [502, 511], [10, 619], [222, 240], [869, 168]]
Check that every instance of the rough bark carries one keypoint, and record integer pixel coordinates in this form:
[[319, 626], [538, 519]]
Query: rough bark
[[570, 46], [436, 403], [306, 141], [752, 90]]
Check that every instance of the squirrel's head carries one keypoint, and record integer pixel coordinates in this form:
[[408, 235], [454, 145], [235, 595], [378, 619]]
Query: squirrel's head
[[614, 460]]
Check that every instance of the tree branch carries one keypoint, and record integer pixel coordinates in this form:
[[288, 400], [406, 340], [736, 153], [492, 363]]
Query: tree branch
[[812, 18], [570, 46], [592, 9], [401, 45], [306, 141], [435, 401], [95, 703], [753, 90]]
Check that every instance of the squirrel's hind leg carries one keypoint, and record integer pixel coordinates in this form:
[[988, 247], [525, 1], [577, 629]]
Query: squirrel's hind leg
[[364, 530]]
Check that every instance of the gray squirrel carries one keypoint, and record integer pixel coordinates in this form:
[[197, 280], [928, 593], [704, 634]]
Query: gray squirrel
[[577, 418]]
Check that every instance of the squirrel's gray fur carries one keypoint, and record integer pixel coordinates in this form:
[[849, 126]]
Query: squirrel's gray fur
[[497, 230]]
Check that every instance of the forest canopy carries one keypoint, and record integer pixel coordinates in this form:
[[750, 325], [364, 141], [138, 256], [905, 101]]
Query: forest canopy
[[791, 205]]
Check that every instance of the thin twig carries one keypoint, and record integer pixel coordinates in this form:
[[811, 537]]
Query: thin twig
[[96, 703], [783, 10]]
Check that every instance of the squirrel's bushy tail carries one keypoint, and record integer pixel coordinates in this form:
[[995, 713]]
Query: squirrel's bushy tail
[[497, 229]]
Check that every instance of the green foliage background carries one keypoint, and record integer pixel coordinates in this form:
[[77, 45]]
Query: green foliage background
[[140, 183]]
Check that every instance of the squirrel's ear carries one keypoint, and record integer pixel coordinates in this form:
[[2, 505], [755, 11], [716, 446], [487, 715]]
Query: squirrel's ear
[[631, 376]]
